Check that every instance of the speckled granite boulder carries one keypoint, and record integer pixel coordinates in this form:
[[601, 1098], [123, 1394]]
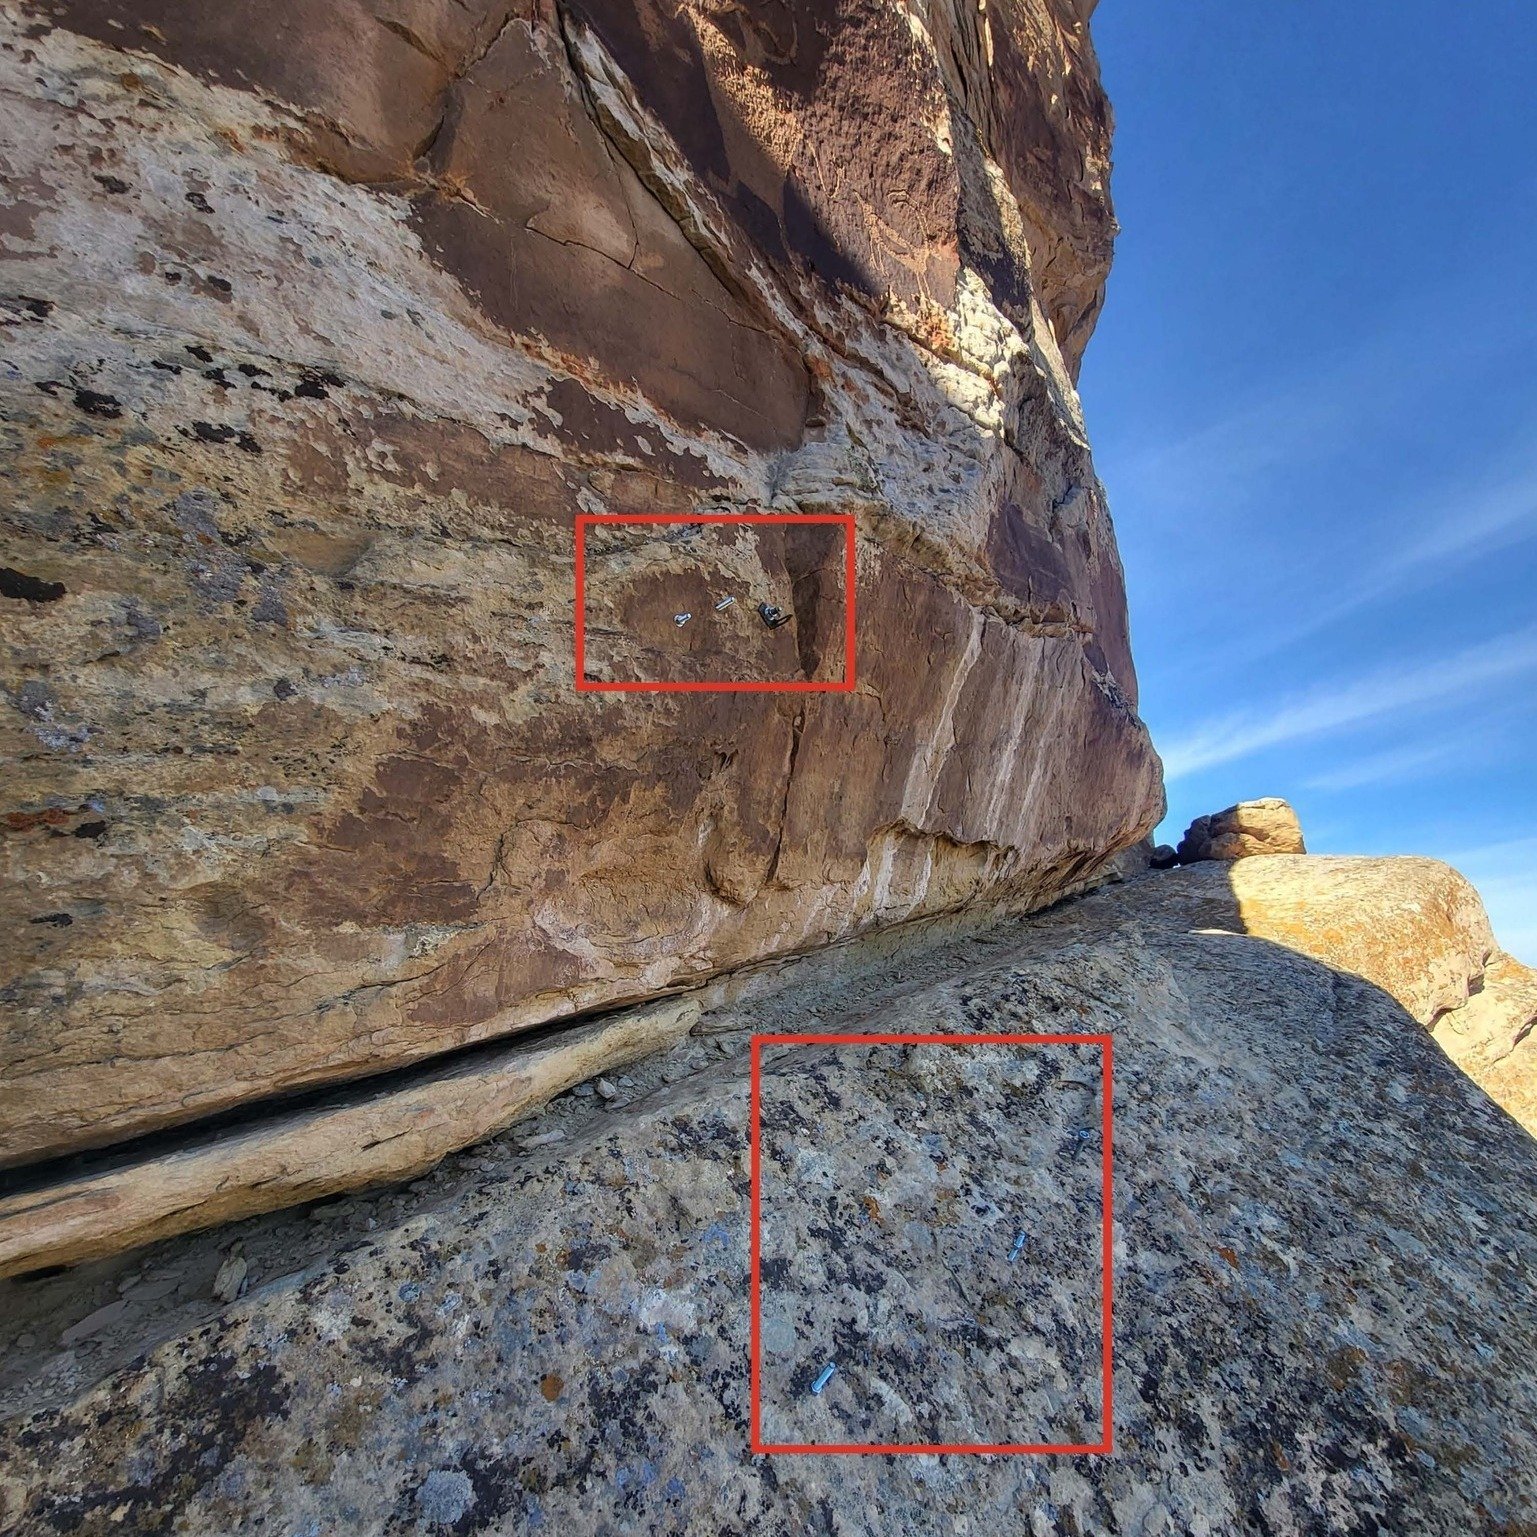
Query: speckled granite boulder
[[931, 1221], [323, 323], [1324, 1255]]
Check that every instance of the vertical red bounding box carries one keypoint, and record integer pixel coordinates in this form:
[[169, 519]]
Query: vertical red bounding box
[[1107, 1438], [843, 685]]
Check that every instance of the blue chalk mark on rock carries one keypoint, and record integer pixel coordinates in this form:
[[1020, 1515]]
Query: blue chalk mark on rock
[[1018, 1249], [825, 1378]]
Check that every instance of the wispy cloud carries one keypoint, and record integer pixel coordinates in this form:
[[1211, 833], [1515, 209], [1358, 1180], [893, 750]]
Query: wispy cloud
[[1326, 407], [1302, 420], [1436, 536], [1234, 480], [1334, 706], [1502, 857], [1493, 517], [1391, 767]]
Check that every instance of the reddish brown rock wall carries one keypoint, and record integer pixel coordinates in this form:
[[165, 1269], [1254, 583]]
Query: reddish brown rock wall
[[325, 321]]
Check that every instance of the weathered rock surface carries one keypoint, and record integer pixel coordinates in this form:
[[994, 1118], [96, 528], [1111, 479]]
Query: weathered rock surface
[[1413, 927], [1265, 826], [652, 593], [1323, 1260], [324, 321], [956, 1243], [1493, 1037]]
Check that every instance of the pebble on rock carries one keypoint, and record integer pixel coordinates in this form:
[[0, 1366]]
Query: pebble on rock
[[544, 1139], [231, 1279], [93, 1323]]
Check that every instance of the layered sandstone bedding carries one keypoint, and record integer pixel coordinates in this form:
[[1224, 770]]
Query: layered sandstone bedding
[[325, 323]]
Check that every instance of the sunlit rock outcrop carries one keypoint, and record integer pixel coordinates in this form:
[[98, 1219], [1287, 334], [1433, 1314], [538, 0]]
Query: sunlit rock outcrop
[[325, 322]]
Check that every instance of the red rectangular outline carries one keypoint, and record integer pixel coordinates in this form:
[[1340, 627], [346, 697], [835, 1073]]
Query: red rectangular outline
[[1107, 1057], [844, 685]]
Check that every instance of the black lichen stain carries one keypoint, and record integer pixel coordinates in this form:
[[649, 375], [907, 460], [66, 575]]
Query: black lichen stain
[[94, 403], [223, 1401], [217, 432], [316, 384], [775, 1272], [17, 584]]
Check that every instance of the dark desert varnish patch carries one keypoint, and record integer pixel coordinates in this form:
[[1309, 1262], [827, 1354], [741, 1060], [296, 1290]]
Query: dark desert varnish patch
[[843, 685]]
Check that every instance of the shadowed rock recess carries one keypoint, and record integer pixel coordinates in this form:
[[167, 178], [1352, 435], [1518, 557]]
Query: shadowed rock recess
[[325, 321]]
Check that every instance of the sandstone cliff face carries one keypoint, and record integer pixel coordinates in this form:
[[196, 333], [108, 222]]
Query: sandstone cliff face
[[325, 321]]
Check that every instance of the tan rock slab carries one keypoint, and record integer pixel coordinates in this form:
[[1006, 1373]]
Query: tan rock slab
[[373, 1139], [1493, 1037], [1412, 926]]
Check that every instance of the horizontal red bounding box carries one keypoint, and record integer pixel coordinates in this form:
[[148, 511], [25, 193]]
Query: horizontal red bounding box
[[842, 685], [1107, 1440]]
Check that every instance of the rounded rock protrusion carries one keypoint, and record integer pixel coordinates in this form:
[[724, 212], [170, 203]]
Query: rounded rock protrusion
[[1266, 826]]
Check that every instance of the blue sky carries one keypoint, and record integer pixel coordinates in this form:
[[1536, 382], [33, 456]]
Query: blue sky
[[1313, 398]]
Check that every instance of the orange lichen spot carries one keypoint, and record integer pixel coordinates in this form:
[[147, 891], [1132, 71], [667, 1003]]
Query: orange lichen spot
[[1344, 1366]]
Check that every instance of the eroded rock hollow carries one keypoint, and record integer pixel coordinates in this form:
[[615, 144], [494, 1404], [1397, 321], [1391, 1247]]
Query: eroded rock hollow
[[325, 322]]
